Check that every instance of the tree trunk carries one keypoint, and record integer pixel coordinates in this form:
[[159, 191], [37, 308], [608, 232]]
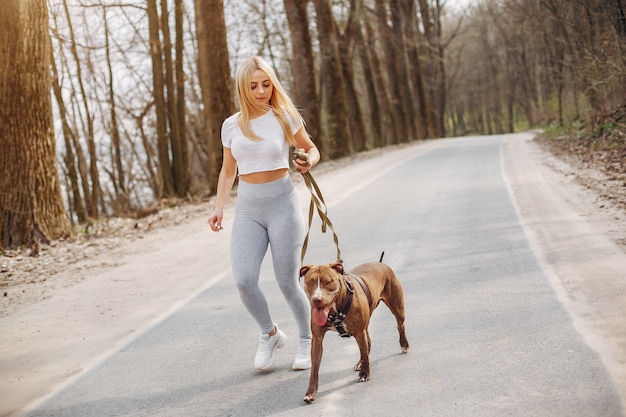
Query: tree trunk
[[215, 78], [303, 69], [393, 83], [181, 156], [170, 101], [423, 109], [93, 197], [179, 161], [440, 98], [74, 157], [407, 91], [121, 200], [75, 200], [348, 65], [31, 205], [158, 82], [335, 105], [381, 109]]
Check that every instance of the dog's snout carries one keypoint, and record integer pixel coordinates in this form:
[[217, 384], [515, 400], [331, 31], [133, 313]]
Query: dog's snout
[[317, 295]]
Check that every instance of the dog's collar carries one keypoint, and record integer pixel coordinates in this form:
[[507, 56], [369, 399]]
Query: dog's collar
[[363, 285], [337, 320]]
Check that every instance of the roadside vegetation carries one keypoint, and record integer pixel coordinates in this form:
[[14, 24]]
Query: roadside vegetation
[[602, 146], [600, 149]]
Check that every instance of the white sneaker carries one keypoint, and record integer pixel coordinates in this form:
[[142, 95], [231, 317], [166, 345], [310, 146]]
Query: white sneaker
[[303, 358], [264, 358]]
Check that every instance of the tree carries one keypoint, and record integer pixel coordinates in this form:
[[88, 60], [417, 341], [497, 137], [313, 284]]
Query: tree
[[174, 81], [117, 173], [93, 197], [380, 112], [347, 40], [169, 78], [158, 82], [72, 180], [333, 87], [215, 79], [31, 206], [393, 84], [302, 62], [181, 152]]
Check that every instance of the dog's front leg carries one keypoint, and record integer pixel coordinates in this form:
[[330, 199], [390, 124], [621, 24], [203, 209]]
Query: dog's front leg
[[363, 366], [316, 358]]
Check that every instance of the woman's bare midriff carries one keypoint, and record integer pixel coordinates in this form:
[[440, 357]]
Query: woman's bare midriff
[[264, 176]]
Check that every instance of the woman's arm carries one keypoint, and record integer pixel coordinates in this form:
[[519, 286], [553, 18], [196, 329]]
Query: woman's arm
[[303, 141], [225, 183]]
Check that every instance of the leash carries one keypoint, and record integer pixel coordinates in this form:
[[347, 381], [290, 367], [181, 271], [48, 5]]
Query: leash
[[317, 202]]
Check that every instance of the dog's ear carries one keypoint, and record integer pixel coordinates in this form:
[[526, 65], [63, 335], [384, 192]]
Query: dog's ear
[[338, 267], [304, 270]]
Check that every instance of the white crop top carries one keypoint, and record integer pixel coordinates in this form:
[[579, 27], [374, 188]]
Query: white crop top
[[268, 154]]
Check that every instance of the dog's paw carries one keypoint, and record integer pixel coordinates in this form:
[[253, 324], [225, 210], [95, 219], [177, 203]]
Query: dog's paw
[[309, 398], [357, 367], [363, 378], [405, 349]]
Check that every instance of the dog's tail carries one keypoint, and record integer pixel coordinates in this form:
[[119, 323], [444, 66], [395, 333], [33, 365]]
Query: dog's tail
[[381, 256]]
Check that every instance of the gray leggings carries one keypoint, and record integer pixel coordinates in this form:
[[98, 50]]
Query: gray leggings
[[269, 214]]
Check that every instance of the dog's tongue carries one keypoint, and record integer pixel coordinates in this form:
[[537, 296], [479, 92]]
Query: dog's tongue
[[320, 315]]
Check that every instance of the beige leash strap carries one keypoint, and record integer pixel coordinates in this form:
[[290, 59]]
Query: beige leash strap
[[317, 202]]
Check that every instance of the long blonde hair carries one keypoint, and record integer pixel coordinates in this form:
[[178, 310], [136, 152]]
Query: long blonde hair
[[280, 103]]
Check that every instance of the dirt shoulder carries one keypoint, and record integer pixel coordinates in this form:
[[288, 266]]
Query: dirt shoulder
[[575, 222], [79, 301]]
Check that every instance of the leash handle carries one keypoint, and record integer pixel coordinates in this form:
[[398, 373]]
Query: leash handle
[[317, 202]]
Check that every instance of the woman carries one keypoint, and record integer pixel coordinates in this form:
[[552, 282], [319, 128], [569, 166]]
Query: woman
[[256, 144]]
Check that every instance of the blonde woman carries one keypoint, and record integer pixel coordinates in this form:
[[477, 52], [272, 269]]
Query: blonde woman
[[256, 143]]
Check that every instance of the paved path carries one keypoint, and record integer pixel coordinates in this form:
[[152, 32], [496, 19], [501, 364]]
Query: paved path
[[491, 331]]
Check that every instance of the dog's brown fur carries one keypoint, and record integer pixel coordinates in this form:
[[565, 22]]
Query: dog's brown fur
[[326, 289]]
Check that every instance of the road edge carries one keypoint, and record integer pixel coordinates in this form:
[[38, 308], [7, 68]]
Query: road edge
[[569, 233]]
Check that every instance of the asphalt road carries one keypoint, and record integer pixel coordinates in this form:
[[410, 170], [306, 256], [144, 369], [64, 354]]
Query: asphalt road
[[488, 334]]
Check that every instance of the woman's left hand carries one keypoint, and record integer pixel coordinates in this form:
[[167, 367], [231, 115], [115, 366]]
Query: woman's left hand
[[310, 155], [302, 166]]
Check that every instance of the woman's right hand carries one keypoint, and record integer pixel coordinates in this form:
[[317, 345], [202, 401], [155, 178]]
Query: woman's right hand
[[215, 220]]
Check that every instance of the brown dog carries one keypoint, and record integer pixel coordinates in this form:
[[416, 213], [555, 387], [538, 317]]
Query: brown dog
[[345, 302]]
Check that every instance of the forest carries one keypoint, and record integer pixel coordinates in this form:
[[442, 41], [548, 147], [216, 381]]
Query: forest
[[114, 107]]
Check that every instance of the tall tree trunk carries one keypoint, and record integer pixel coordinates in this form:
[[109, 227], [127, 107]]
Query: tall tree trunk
[[348, 61], [75, 200], [440, 97], [432, 72], [170, 101], [394, 86], [423, 108], [31, 204], [407, 89], [121, 202], [158, 82], [94, 198], [306, 96], [74, 158], [335, 105], [181, 157], [215, 78], [179, 160], [376, 86], [367, 98]]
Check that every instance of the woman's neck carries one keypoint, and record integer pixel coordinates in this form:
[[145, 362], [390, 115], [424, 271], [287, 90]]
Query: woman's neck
[[258, 112]]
